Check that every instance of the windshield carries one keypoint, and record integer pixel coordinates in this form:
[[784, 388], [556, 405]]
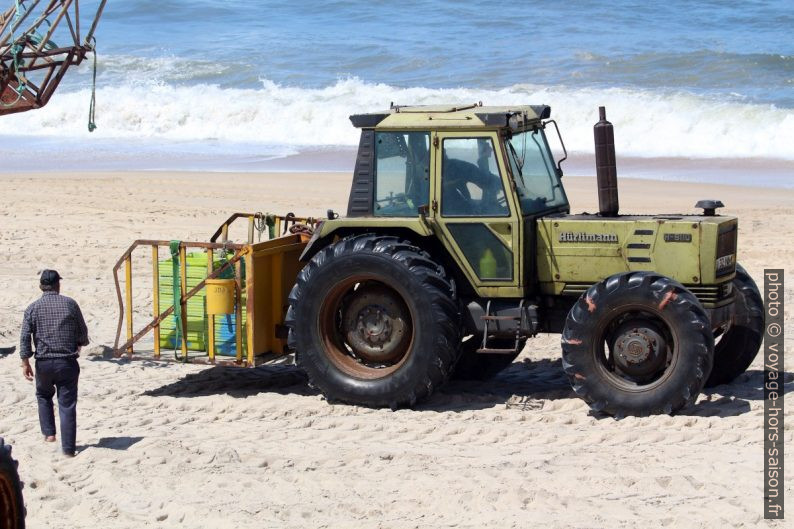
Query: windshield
[[537, 184]]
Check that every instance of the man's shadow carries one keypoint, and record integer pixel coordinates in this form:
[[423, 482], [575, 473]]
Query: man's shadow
[[112, 443]]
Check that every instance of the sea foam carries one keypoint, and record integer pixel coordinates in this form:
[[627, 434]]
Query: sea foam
[[647, 123]]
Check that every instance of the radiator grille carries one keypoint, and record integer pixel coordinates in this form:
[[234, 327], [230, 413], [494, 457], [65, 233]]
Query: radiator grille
[[707, 295]]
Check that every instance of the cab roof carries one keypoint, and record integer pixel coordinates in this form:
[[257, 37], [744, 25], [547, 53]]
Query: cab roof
[[450, 116]]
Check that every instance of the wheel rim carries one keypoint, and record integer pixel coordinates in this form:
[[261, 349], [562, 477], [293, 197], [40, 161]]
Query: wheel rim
[[366, 327], [638, 349]]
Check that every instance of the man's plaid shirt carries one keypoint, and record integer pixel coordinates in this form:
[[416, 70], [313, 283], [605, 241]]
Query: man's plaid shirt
[[56, 325]]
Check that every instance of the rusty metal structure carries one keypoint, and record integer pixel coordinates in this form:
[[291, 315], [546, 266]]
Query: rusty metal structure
[[32, 64]]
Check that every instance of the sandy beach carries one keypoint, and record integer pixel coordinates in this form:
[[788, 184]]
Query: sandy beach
[[187, 446]]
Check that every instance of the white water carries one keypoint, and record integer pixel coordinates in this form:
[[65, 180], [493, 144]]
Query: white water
[[283, 119]]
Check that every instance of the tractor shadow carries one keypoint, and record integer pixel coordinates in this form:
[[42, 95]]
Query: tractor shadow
[[526, 385], [238, 382], [522, 381], [730, 400]]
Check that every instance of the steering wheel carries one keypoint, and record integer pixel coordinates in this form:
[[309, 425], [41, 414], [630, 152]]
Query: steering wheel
[[393, 201]]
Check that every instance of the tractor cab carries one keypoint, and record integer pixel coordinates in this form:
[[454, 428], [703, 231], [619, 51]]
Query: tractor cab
[[473, 179]]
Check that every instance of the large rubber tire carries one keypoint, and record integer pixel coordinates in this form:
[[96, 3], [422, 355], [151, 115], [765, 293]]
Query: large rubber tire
[[631, 309], [736, 349], [412, 282], [478, 366], [12, 507]]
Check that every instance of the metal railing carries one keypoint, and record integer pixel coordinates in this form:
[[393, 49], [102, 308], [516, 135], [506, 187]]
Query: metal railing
[[126, 309], [273, 225]]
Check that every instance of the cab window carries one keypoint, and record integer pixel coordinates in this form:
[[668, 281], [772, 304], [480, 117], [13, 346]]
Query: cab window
[[538, 185], [402, 173], [471, 185]]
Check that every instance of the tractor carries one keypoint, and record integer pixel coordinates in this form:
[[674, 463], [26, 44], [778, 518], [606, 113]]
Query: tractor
[[459, 246]]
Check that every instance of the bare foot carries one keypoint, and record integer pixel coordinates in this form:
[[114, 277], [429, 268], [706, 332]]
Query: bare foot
[[49, 438]]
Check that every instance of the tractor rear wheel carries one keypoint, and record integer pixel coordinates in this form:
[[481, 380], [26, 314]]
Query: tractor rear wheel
[[12, 508], [637, 343], [483, 366], [374, 322], [737, 347]]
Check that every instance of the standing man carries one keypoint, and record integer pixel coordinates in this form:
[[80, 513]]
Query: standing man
[[58, 331]]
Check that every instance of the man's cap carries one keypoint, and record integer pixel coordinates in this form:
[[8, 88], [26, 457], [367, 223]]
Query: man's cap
[[50, 277]]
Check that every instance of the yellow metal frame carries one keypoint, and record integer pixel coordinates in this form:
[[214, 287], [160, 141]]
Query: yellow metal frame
[[271, 268], [155, 298], [282, 224]]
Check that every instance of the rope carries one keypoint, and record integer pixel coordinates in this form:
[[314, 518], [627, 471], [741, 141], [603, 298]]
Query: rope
[[92, 105], [177, 293], [16, 49], [260, 225], [224, 258]]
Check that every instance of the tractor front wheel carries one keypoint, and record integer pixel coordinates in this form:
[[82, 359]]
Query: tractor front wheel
[[637, 343], [374, 322]]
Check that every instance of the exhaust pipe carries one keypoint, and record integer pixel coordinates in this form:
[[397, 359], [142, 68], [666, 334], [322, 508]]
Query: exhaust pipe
[[606, 171]]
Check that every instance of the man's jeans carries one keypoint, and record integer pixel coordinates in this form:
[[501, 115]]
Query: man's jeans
[[60, 373]]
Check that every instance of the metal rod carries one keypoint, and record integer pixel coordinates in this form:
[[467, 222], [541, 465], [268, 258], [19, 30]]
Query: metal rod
[[210, 317], [8, 16], [250, 230], [99, 10], [75, 37], [200, 361], [49, 90], [156, 297], [150, 242], [15, 25], [128, 287], [77, 21], [46, 12], [64, 7], [250, 278]]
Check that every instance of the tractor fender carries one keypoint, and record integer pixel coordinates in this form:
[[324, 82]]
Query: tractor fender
[[329, 230]]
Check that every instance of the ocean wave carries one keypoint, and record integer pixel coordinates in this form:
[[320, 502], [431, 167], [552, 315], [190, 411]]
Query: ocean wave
[[647, 123]]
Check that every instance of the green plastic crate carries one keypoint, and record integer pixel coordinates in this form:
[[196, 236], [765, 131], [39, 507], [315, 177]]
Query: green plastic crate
[[197, 337]]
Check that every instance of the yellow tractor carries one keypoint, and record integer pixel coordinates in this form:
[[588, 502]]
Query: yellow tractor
[[457, 247]]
